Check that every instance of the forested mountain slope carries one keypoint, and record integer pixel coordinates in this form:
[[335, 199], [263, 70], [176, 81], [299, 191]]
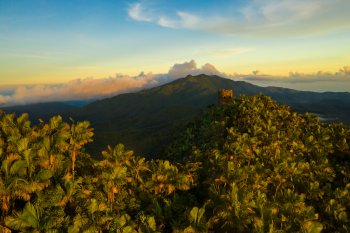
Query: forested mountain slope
[[146, 121]]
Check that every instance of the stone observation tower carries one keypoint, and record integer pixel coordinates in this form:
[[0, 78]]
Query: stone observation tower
[[224, 96]]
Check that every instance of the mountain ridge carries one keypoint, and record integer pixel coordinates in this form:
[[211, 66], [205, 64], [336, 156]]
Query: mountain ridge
[[147, 120]]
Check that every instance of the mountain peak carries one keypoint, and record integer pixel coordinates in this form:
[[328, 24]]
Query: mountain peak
[[146, 120]]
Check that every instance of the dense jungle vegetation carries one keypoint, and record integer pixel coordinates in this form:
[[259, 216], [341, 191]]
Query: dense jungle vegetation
[[251, 165]]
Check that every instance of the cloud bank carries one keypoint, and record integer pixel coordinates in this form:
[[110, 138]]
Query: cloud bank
[[262, 17], [88, 88], [96, 88], [320, 81], [184, 69]]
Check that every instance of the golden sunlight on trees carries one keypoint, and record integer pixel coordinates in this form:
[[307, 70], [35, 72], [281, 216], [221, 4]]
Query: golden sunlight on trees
[[250, 165]]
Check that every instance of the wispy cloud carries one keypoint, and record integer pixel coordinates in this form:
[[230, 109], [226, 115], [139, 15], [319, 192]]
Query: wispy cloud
[[188, 20], [263, 17], [165, 22], [136, 12], [180, 19], [95, 88]]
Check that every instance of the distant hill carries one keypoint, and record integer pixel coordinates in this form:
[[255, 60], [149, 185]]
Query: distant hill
[[46, 110], [41, 110], [148, 120]]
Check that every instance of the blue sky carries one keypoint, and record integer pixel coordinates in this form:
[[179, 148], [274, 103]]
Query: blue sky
[[56, 41]]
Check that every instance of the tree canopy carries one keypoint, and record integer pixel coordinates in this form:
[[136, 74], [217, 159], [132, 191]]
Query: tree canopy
[[250, 165]]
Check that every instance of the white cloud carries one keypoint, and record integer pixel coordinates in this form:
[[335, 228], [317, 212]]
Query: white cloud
[[343, 75], [184, 69], [187, 20], [180, 19], [257, 17], [136, 12], [87, 88], [321, 76], [167, 23], [282, 11], [345, 71], [210, 69]]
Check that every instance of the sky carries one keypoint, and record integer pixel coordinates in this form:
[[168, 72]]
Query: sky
[[51, 47]]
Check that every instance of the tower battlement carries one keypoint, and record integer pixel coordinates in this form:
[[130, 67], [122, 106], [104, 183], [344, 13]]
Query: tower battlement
[[224, 96]]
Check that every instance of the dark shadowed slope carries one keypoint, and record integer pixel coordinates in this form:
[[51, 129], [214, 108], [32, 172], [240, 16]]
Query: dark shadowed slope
[[42, 110]]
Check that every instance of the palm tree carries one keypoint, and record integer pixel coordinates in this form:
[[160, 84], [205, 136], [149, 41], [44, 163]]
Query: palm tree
[[80, 135], [19, 178], [114, 171], [31, 219], [166, 178]]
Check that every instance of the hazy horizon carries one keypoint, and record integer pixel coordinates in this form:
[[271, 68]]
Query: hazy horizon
[[97, 88]]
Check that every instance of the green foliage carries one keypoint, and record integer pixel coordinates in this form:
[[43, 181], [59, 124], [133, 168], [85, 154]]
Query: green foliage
[[249, 166], [265, 168]]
